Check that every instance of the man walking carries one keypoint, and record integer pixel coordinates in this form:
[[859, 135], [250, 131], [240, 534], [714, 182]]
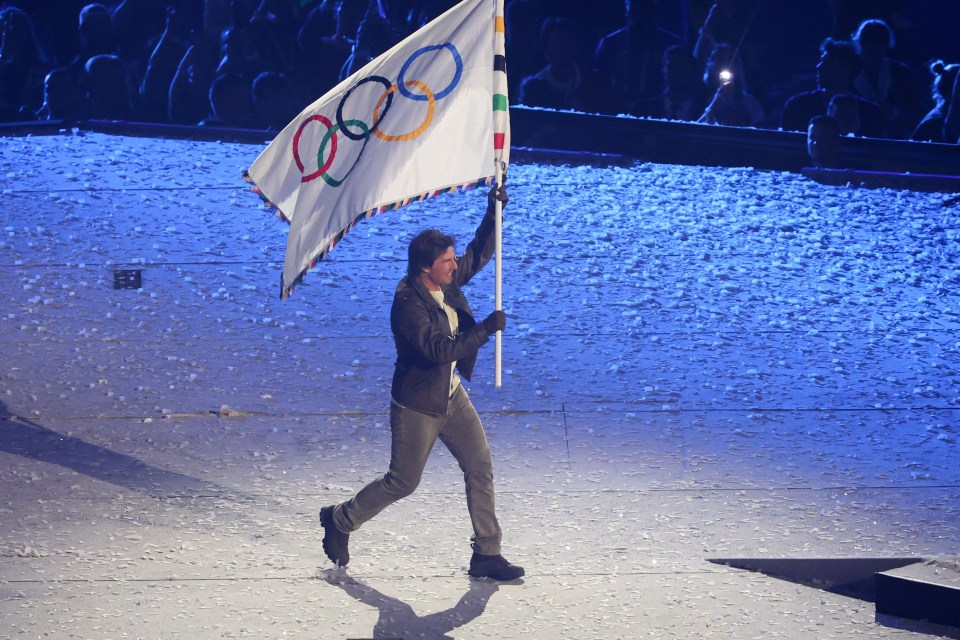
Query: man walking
[[437, 340]]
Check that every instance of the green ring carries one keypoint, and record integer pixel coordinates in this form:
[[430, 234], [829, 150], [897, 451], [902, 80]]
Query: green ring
[[333, 182]]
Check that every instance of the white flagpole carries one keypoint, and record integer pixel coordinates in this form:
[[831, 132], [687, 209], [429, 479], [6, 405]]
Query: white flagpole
[[498, 277]]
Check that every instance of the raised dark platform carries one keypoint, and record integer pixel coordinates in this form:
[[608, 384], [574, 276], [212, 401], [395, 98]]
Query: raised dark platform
[[885, 179], [852, 577], [913, 588], [675, 142], [922, 591]]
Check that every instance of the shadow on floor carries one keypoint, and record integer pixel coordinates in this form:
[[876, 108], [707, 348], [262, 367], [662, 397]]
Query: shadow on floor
[[399, 620], [24, 437]]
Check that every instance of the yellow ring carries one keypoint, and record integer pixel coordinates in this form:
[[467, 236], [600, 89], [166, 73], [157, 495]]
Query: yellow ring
[[431, 107]]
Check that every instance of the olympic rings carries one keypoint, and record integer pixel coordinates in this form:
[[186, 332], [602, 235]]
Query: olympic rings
[[383, 105], [431, 107]]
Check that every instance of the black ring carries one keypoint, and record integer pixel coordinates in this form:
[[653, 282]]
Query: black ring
[[343, 125]]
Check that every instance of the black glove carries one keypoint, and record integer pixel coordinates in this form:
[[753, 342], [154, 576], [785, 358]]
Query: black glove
[[496, 321], [497, 193]]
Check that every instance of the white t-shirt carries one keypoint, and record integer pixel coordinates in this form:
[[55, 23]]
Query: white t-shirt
[[454, 322]]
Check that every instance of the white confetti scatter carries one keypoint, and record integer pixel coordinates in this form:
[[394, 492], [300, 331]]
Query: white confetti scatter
[[699, 363]]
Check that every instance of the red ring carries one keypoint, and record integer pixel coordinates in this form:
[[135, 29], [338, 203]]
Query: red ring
[[296, 148]]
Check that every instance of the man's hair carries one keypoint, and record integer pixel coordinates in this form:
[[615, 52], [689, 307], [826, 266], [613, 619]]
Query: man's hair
[[555, 23], [641, 8], [874, 31], [843, 100], [828, 122], [424, 249], [843, 51], [678, 50]]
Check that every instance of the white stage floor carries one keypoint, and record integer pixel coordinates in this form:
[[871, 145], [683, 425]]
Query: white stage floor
[[699, 363]]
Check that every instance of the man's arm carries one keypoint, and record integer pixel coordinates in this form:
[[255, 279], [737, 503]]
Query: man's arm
[[480, 249], [412, 321]]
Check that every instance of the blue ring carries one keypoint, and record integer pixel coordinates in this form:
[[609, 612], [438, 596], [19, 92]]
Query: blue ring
[[413, 56]]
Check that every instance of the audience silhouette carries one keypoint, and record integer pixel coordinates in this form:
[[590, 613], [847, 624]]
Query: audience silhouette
[[839, 64], [231, 104], [62, 97], [731, 105], [845, 109], [275, 102], [188, 99], [107, 88], [931, 128], [684, 95], [97, 35], [373, 37], [23, 64], [823, 142], [951, 125], [631, 56], [887, 82], [162, 66], [726, 21], [565, 82], [253, 63]]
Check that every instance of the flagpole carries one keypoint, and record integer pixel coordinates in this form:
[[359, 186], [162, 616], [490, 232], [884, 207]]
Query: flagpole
[[498, 276]]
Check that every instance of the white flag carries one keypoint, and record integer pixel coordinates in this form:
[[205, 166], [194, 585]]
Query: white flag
[[428, 116]]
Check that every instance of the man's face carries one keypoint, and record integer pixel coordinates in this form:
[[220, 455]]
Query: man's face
[[440, 273], [642, 12], [560, 47], [679, 73], [822, 144], [873, 53], [832, 74]]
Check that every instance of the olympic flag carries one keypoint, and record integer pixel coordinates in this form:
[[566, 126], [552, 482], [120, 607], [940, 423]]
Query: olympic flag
[[427, 117]]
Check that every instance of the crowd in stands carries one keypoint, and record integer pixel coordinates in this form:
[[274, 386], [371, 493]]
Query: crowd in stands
[[257, 63]]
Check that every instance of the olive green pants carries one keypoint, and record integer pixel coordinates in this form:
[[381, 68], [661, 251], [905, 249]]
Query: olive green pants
[[413, 437]]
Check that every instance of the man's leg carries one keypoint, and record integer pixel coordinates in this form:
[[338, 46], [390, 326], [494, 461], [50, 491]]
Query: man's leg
[[463, 435], [412, 438]]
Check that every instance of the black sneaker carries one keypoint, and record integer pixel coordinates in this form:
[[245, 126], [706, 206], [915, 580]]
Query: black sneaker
[[495, 567], [334, 540]]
